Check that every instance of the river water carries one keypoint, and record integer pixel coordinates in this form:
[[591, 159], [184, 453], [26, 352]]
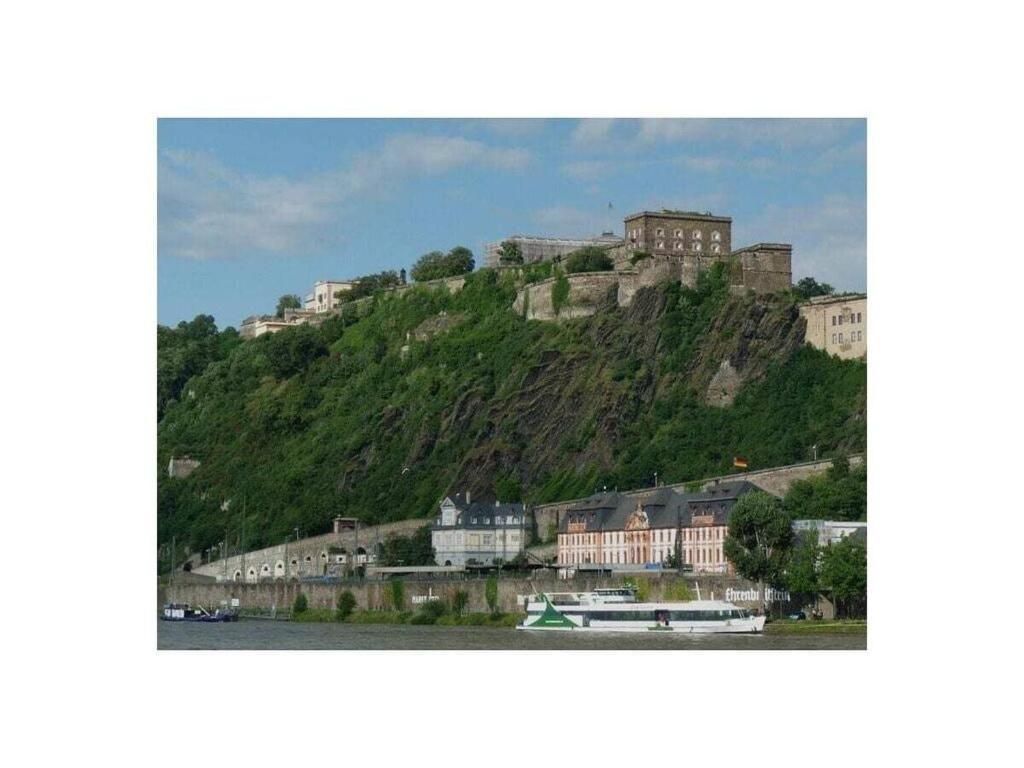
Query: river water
[[286, 635]]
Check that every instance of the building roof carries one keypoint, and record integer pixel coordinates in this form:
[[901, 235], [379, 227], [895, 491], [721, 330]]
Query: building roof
[[765, 247], [664, 508], [836, 298], [481, 514], [706, 216]]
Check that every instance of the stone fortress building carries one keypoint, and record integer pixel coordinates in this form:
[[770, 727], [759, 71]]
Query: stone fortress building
[[838, 324]]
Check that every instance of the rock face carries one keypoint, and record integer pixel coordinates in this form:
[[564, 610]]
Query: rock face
[[587, 293], [745, 338]]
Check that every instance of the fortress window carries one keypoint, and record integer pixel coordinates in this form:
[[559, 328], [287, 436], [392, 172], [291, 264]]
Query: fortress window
[[715, 247], [697, 234], [833, 338], [716, 236], [833, 319], [661, 244], [659, 232], [696, 246], [858, 317], [679, 233]]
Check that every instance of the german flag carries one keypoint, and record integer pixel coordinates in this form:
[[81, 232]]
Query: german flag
[[738, 461]]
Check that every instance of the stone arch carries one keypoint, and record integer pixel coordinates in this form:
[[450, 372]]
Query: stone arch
[[447, 562], [265, 570], [251, 576], [237, 576], [279, 569]]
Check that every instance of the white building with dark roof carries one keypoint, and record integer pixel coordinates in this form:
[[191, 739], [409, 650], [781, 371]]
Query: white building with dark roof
[[477, 533]]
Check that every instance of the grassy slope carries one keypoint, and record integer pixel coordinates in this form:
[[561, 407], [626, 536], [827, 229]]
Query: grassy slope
[[495, 404]]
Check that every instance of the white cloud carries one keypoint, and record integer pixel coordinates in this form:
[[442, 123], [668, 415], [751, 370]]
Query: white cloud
[[828, 237], [787, 132], [592, 131], [208, 210]]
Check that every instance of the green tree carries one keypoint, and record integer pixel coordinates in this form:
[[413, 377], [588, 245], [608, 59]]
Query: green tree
[[346, 604], [435, 265], [808, 287], [459, 601], [759, 539], [288, 301], [589, 259], [841, 493], [844, 575], [367, 285], [416, 549], [491, 593], [510, 252], [802, 570], [291, 350], [301, 604]]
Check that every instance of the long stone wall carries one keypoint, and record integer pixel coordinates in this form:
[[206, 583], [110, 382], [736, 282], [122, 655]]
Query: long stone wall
[[373, 595], [774, 480], [306, 557]]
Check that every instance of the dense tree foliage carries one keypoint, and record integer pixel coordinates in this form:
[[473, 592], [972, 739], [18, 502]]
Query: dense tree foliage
[[367, 285], [808, 287], [839, 494], [185, 351], [589, 259], [510, 253], [759, 539], [435, 265], [288, 301], [308, 423], [844, 575], [407, 550]]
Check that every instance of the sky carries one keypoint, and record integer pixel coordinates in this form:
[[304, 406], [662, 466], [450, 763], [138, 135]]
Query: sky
[[252, 209]]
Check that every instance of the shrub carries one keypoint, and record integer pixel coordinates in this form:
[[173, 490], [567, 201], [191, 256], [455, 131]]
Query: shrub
[[346, 604], [301, 604], [589, 259], [459, 601], [679, 591], [430, 612], [491, 593], [559, 292], [396, 594], [435, 265]]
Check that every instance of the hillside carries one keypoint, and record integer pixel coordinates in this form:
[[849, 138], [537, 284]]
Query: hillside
[[310, 423]]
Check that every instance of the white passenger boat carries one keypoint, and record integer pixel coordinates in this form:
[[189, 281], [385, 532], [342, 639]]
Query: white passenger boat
[[617, 610]]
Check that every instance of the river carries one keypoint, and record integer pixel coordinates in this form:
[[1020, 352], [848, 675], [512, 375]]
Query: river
[[286, 635]]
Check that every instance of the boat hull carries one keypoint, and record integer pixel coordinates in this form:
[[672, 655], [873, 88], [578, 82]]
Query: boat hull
[[753, 626]]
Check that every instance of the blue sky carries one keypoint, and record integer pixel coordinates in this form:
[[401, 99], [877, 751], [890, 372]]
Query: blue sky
[[251, 209]]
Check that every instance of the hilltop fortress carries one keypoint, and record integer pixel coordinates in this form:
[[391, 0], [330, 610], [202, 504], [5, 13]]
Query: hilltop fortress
[[666, 246], [656, 247]]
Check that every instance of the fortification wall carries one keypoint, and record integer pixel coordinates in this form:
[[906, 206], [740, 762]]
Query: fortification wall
[[373, 595], [775, 480], [306, 557], [587, 292]]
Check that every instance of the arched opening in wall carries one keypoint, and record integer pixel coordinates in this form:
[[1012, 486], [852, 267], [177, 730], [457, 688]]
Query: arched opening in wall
[[265, 571], [187, 568], [251, 575], [279, 569], [447, 562], [294, 562], [237, 576]]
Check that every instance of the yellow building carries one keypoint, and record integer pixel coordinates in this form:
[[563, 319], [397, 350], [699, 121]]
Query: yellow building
[[838, 324]]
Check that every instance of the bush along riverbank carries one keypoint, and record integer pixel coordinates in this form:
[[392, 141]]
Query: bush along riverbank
[[438, 612], [811, 627]]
